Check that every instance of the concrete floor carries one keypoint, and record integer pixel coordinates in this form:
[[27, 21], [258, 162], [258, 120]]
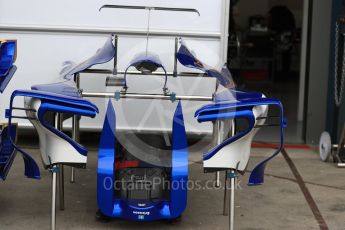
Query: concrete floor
[[278, 204]]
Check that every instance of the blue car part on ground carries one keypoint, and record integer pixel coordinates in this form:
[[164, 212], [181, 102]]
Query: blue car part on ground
[[113, 206]]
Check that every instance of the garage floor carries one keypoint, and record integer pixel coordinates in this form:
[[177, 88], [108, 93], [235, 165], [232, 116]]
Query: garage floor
[[278, 204]]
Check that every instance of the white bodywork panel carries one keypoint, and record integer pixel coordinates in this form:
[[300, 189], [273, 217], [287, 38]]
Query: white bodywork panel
[[236, 155], [54, 149]]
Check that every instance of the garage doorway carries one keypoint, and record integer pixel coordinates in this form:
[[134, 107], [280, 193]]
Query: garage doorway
[[272, 56]]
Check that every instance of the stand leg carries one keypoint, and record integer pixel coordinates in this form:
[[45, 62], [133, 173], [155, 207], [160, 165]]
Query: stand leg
[[58, 126], [340, 146], [226, 196], [72, 175], [232, 199], [217, 179], [53, 207], [218, 132], [228, 200], [75, 137], [61, 188]]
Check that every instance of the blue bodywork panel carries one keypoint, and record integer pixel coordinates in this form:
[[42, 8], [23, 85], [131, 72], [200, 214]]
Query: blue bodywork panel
[[241, 108], [227, 95], [188, 59], [7, 151], [7, 56], [106, 162], [62, 97], [146, 63], [54, 103], [66, 85], [114, 207], [66, 88], [55, 98], [103, 55], [60, 104], [8, 148], [4, 80], [7, 67]]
